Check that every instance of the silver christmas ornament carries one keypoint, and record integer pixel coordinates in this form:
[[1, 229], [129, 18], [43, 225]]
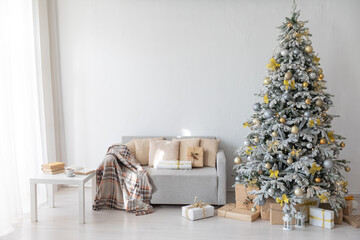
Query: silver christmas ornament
[[307, 114], [319, 102], [309, 145], [328, 164], [237, 179], [257, 107], [274, 134], [284, 52], [296, 51], [247, 143], [329, 102], [271, 191], [281, 156], [262, 202], [253, 209], [256, 140], [312, 75], [286, 96], [268, 114]]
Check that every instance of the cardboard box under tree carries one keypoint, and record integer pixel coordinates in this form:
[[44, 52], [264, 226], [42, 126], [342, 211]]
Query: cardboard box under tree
[[354, 220], [243, 198], [347, 209], [230, 211], [265, 209], [276, 214]]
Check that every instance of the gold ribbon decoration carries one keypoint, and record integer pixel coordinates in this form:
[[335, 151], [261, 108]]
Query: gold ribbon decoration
[[322, 219], [252, 182], [266, 99], [246, 124], [196, 204], [349, 198], [323, 198], [272, 65], [290, 83], [312, 122], [316, 60], [282, 199], [274, 174], [273, 146], [331, 136], [314, 168], [295, 153], [249, 149]]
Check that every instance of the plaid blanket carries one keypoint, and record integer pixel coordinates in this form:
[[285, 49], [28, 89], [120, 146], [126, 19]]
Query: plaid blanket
[[122, 183]]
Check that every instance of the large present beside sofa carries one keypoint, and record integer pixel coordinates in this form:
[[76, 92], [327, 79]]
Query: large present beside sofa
[[180, 186]]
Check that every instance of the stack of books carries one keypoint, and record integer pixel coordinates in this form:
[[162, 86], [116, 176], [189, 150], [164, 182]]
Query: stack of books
[[53, 168]]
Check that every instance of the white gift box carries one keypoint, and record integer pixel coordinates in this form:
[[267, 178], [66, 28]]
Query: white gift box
[[173, 164], [321, 217], [195, 213]]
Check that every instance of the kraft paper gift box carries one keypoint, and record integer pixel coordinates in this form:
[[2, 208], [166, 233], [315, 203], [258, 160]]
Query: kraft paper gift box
[[321, 217], [265, 209], [221, 212], [348, 208], [338, 219], [243, 198], [193, 213], [305, 207], [242, 214], [354, 220], [173, 164], [196, 156], [276, 214]]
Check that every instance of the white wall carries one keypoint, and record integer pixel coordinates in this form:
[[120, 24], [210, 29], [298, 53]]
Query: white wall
[[175, 67]]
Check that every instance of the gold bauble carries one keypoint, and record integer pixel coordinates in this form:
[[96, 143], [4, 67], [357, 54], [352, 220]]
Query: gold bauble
[[321, 75], [297, 34], [298, 191], [347, 169], [305, 84], [274, 134], [308, 101], [256, 121], [282, 120], [267, 81], [309, 70], [342, 182], [320, 70], [267, 165], [342, 144], [289, 161], [322, 141], [253, 209], [256, 140], [319, 102], [323, 114], [288, 75], [308, 49], [317, 180], [294, 129], [237, 160], [289, 25]]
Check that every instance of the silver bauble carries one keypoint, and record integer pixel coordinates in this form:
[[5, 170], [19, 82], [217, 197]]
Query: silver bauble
[[249, 158], [253, 209], [298, 191], [256, 140], [307, 114], [328, 164], [237, 179], [287, 96], [312, 75], [319, 102], [309, 145], [262, 202], [274, 134], [329, 102], [296, 51], [257, 107], [247, 143], [281, 156], [268, 114], [271, 191], [284, 52]]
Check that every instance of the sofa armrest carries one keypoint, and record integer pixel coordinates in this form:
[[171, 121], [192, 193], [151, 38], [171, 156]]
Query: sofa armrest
[[221, 176]]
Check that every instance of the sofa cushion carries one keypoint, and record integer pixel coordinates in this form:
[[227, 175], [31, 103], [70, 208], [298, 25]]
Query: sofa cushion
[[131, 147], [142, 150], [182, 186], [160, 150], [184, 144], [210, 149]]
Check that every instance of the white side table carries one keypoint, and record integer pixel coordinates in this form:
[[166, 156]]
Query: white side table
[[79, 180]]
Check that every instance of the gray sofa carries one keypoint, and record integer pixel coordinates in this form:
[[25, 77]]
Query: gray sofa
[[181, 186]]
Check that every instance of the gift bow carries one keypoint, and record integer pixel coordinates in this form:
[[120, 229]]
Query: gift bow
[[246, 124], [196, 204], [331, 135], [274, 174], [295, 152], [282, 199], [266, 99], [290, 83], [314, 168], [272, 65], [249, 149], [349, 198], [323, 198], [312, 122], [316, 60]]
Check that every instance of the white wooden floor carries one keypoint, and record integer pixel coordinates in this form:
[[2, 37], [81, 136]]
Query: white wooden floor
[[165, 223]]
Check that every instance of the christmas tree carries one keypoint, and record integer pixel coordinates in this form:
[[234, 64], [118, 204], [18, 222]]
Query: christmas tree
[[291, 154]]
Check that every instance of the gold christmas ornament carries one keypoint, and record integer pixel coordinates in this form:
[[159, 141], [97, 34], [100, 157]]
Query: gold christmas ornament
[[282, 120], [256, 140], [342, 182], [237, 160], [305, 84], [320, 70], [323, 114], [342, 144], [294, 129], [321, 75], [267, 81], [347, 169], [274, 134], [289, 161], [298, 191], [289, 25], [317, 180], [308, 101], [308, 49], [288, 75], [253, 209], [322, 141], [319, 102], [301, 24], [267, 165], [309, 70]]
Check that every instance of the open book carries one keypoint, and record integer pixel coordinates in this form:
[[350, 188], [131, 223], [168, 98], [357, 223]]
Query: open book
[[80, 170]]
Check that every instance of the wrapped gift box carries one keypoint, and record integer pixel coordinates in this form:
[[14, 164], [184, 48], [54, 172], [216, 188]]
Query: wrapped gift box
[[321, 217], [173, 164], [353, 220], [221, 212], [195, 213], [348, 208], [276, 214], [265, 209], [243, 198], [196, 156], [305, 207], [338, 219]]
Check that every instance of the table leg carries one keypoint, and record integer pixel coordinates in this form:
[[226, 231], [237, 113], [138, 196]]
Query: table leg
[[33, 202], [81, 203], [93, 187], [50, 194]]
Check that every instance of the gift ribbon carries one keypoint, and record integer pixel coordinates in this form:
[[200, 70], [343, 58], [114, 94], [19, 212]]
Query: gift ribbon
[[196, 204], [349, 198], [323, 218], [177, 164]]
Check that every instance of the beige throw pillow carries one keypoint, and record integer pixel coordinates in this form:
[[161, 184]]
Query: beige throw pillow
[[142, 149], [161, 150], [131, 147], [184, 144], [210, 150]]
